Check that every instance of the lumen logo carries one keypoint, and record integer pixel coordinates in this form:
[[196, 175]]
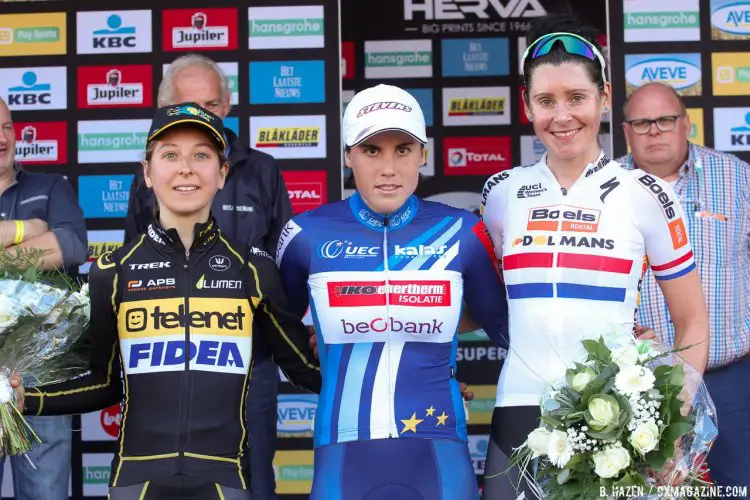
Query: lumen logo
[[730, 20], [286, 27], [398, 59], [111, 141], [204, 284], [680, 71], [96, 474], [114, 32], [32, 34]]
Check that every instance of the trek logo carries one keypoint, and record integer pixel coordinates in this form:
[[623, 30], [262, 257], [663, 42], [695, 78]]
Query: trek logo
[[441, 10], [39, 88], [207, 29], [109, 87], [373, 293], [381, 325], [565, 241], [563, 218], [530, 191], [419, 250], [334, 249], [219, 263], [151, 285], [657, 191], [41, 142], [150, 265], [158, 318], [204, 284]]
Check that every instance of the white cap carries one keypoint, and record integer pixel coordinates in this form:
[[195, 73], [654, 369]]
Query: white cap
[[381, 108]]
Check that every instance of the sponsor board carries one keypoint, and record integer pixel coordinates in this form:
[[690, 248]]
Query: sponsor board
[[294, 471], [730, 20], [113, 32], [469, 16], [101, 425], [307, 189], [475, 57], [428, 169], [663, 21], [296, 415], [483, 404], [112, 141], [101, 241], [476, 155], [347, 61], [104, 196], [398, 59], [199, 29], [33, 34], [115, 86], [289, 137], [731, 73], [476, 106], [732, 129], [287, 82], [299, 27], [681, 71], [25, 89], [41, 143], [233, 124], [478, 447], [696, 126], [96, 474], [230, 70], [424, 98]]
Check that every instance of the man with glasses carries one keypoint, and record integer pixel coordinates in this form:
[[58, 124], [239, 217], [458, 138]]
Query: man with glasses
[[714, 189]]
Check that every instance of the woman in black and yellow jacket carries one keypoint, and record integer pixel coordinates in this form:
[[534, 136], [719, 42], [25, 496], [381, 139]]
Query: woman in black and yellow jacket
[[173, 313]]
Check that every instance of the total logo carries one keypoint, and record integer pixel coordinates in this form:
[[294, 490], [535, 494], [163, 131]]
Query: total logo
[[334, 249], [41, 143], [476, 155], [381, 325], [563, 218], [151, 285], [441, 10], [207, 29], [111, 420], [307, 189]]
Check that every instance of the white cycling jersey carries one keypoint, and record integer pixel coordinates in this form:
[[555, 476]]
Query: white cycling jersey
[[573, 261]]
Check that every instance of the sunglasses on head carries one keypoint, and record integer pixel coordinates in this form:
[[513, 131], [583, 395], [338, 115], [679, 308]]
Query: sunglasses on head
[[572, 43]]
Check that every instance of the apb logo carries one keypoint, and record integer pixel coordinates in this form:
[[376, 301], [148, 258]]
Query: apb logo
[[307, 189], [41, 143], [114, 32], [114, 87], [204, 29], [39, 88]]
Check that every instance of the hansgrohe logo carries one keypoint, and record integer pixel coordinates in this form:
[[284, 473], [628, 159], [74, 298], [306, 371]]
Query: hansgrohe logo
[[96, 474], [662, 20], [112, 141], [286, 27], [421, 58]]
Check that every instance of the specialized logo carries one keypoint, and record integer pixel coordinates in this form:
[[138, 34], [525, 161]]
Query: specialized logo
[[398, 59], [676, 225], [112, 141], [608, 187], [373, 293], [104, 196], [334, 249], [564, 241], [730, 20], [205, 29], [32, 34], [296, 414], [219, 263], [204, 284], [680, 71], [563, 218], [300, 27], [381, 325], [476, 155], [110, 87], [530, 191], [41, 143], [442, 10], [114, 32], [476, 106]]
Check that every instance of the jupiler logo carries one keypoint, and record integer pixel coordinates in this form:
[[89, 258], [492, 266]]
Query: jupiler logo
[[443, 10]]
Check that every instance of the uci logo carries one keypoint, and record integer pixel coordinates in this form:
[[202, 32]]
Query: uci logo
[[219, 263]]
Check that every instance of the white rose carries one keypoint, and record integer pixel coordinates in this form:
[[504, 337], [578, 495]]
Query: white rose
[[634, 380], [538, 441], [645, 437], [626, 355], [8, 315], [603, 412], [559, 448], [582, 379], [610, 462]]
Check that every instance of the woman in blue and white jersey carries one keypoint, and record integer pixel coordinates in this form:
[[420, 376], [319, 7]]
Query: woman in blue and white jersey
[[574, 233], [386, 276]]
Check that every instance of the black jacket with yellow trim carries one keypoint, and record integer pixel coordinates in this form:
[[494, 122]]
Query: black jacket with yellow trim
[[172, 340]]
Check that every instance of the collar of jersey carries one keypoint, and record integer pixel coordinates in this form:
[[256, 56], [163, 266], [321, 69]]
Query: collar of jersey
[[203, 234], [601, 161], [376, 221]]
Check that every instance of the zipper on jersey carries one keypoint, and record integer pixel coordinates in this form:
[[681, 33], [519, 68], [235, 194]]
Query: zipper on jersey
[[387, 320], [185, 387]]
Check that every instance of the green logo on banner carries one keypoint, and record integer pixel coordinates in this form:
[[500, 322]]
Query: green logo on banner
[[296, 473], [37, 35], [233, 83], [422, 58], [475, 336], [286, 27], [662, 20], [486, 405], [112, 141], [742, 74], [96, 474]]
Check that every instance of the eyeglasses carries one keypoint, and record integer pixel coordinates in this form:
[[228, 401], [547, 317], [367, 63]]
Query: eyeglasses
[[642, 126], [572, 43]]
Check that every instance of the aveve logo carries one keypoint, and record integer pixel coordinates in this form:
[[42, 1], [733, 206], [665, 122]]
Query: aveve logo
[[115, 86], [41, 143], [307, 189], [563, 218], [111, 419], [199, 29]]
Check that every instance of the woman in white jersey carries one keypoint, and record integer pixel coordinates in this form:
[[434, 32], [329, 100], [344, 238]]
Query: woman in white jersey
[[575, 232]]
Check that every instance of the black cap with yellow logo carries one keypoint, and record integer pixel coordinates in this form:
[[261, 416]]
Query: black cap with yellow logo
[[188, 113]]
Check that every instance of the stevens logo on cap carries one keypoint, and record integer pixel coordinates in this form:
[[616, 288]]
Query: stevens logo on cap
[[377, 106]]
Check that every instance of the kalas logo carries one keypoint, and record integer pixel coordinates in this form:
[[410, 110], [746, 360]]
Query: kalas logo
[[563, 218], [206, 29], [41, 143], [442, 10], [111, 419]]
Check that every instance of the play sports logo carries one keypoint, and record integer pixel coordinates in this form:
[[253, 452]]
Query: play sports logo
[[114, 86], [306, 138], [476, 155], [112, 141], [398, 59], [731, 72], [41, 143], [300, 27], [199, 29], [32, 34], [113, 32], [307, 189], [26, 89]]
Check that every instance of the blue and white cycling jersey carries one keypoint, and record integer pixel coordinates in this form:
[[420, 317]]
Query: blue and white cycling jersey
[[386, 295]]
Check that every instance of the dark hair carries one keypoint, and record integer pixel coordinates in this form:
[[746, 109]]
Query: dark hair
[[562, 23]]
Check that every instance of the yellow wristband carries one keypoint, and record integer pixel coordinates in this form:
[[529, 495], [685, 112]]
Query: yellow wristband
[[19, 232]]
